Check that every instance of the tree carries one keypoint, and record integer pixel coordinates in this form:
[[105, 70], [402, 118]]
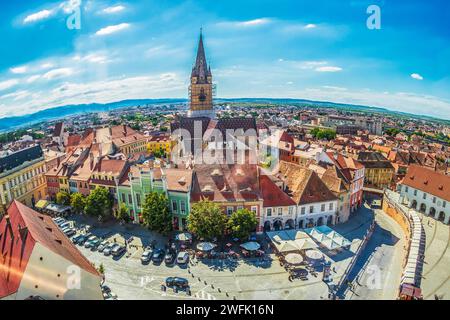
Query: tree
[[99, 203], [207, 220], [122, 213], [242, 222], [101, 268], [156, 214], [77, 202], [63, 198], [327, 134]]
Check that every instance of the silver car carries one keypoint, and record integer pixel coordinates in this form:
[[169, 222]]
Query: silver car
[[102, 246], [109, 248]]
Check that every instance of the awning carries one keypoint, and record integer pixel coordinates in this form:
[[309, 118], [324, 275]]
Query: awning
[[251, 246]]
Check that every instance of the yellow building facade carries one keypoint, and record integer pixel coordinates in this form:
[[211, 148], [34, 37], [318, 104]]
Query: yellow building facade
[[22, 177]]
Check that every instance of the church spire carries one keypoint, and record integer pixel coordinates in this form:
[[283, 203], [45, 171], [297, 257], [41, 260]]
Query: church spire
[[200, 69]]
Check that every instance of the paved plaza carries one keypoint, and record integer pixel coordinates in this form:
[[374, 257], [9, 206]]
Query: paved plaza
[[436, 272], [215, 279]]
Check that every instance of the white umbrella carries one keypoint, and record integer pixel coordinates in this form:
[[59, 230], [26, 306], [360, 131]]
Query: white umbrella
[[251, 246], [314, 254], [185, 236], [293, 258], [206, 246]]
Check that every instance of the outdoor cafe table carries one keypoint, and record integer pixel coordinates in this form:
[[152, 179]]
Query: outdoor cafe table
[[314, 255]]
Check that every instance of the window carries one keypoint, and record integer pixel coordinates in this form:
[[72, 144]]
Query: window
[[444, 204], [434, 199], [406, 189], [311, 209], [130, 199], [291, 211], [229, 210], [280, 211], [269, 212], [174, 206], [415, 192], [330, 207], [183, 207], [322, 207], [424, 195], [303, 210], [138, 199], [255, 209], [123, 197]]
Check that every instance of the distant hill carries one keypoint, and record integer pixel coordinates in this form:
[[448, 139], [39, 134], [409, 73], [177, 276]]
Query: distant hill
[[10, 123]]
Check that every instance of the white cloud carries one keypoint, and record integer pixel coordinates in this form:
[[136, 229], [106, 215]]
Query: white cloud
[[18, 95], [43, 14], [8, 84], [328, 69], [113, 9], [310, 26], [416, 76], [33, 78], [46, 65], [112, 29], [18, 70], [70, 5], [243, 24], [58, 73]]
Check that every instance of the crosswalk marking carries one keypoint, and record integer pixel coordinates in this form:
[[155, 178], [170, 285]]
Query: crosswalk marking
[[203, 295]]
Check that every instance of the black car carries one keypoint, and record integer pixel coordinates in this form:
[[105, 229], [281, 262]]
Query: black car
[[158, 255], [177, 282], [170, 257]]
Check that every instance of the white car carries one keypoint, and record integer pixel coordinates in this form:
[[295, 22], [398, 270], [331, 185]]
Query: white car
[[146, 256], [102, 246], [182, 257], [109, 248]]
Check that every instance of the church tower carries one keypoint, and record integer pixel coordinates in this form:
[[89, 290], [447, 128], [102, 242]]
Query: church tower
[[201, 88]]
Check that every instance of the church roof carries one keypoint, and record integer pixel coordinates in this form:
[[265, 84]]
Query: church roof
[[200, 69]]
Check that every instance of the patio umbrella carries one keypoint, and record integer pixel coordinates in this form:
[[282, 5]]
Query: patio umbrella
[[314, 254], [251, 246], [205, 246], [293, 258], [185, 236], [304, 244]]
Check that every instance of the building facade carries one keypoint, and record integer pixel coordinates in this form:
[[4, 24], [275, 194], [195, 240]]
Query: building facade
[[22, 177], [426, 191]]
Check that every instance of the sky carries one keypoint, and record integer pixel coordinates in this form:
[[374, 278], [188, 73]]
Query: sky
[[317, 50]]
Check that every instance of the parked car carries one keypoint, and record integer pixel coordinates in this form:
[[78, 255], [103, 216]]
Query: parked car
[[118, 250], [89, 241], [146, 256], [170, 257], [70, 232], [63, 230], [81, 240], [102, 246], [76, 238], [177, 282], [58, 220], [107, 251], [158, 256], [64, 224], [183, 257], [95, 243]]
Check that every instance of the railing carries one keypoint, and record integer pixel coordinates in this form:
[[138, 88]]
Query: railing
[[342, 282]]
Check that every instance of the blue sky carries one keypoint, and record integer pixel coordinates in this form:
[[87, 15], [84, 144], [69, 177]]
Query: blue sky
[[320, 50]]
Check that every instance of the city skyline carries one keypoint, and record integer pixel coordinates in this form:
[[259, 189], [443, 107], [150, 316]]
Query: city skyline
[[144, 49]]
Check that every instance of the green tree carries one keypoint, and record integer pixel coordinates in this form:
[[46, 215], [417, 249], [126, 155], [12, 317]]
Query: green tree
[[122, 213], [207, 220], [77, 202], [242, 222], [63, 198], [101, 268], [156, 214], [99, 203]]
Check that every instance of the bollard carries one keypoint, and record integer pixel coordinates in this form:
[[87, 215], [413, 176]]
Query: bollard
[[218, 289], [212, 286], [205, 282]]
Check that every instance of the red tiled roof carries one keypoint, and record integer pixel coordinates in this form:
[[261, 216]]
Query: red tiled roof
[[29, 227], [429, 181], [272, 195]]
